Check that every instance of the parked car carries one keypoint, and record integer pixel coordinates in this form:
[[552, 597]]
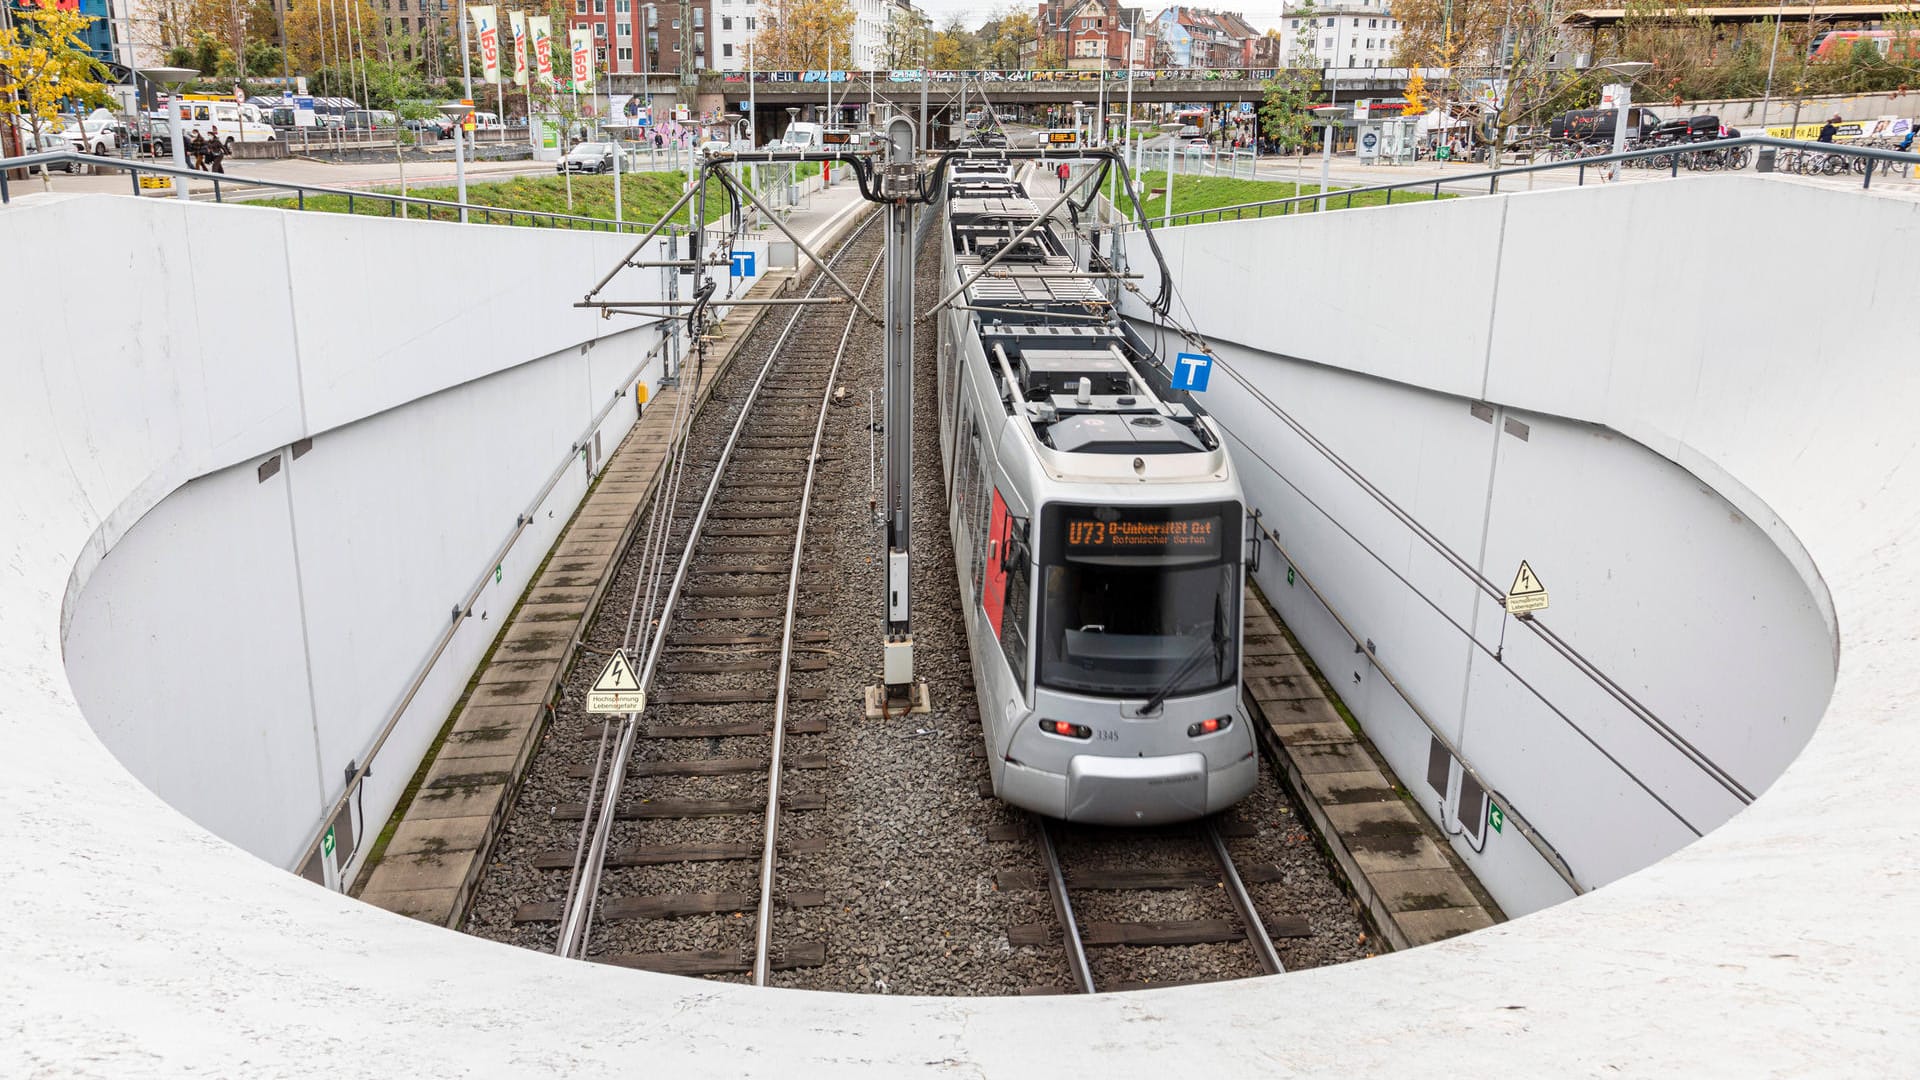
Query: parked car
[[589, 157], [1596, 125], [46, 141], [437, 126]]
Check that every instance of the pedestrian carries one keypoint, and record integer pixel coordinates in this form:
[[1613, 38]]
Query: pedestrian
[[1062, 172], [196, 151], [215, 150], [658, 142], [1831, 129]]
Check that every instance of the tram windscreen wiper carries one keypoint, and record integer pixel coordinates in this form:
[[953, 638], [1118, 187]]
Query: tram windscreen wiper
[[1209, 647]]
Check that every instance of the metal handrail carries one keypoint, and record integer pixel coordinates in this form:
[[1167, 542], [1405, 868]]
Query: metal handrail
[[301, 191], [1494, 176]]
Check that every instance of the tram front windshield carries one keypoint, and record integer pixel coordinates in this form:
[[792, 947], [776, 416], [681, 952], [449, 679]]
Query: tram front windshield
[[1136, 599]]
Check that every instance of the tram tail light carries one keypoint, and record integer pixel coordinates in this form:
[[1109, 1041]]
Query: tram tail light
[[1071, 731], [1208, 727]]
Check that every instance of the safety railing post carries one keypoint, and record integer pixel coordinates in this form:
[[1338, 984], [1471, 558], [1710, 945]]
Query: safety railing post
[[1868, 182], [302, 193], [133, 174]]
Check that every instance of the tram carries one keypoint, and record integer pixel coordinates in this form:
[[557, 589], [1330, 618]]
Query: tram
[[1097, 529]]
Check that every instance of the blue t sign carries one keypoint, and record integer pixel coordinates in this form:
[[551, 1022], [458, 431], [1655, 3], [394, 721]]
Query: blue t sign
[[743, 264], [1190, 371]]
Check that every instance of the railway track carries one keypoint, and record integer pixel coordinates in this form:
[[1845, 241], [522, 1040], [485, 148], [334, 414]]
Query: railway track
[[1100, 882], [680, 830]]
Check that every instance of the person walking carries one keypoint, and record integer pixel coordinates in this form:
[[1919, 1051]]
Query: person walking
[[196, 151], [1831, 129], [215, 150], [1062, 172]]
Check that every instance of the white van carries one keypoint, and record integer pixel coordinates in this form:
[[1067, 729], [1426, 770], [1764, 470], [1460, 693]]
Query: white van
[[803, 136], [202, 113]]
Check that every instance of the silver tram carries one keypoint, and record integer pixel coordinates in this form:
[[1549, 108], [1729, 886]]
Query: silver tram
[[1097, 531]]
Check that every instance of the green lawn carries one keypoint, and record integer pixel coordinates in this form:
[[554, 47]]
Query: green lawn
[[644, 196], [1209, 192]]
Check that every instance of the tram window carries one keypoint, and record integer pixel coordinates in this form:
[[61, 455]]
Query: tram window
[[1015, 618], [1133, 597]]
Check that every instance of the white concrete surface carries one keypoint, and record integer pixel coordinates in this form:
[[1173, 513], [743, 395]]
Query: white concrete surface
[[244, 641], [1681, 584], [137, 944]]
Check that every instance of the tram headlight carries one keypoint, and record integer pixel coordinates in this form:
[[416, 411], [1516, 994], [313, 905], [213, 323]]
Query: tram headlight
[[1071, 731], [1209, 727]]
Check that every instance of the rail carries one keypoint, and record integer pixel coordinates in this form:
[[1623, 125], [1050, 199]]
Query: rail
[[434, 209], [1874, 156]]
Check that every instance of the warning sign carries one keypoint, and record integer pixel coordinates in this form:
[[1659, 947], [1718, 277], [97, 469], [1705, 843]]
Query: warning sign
[[1526, 594], [616, 690]]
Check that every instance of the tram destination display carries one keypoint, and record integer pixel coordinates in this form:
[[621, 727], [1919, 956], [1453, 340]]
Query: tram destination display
[[1105, 531], [1063, 136]]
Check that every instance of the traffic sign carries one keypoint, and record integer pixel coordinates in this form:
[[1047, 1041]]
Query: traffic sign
[[616, 690], [1191, 371], [743, 264], [1526, 594]]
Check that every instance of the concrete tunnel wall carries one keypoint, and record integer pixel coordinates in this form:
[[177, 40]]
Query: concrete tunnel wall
[[244, 640], [1680, 584], [138, 944]]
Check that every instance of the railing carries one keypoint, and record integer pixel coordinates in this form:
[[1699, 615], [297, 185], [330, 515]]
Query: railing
[[1877, 160], [222, 183]]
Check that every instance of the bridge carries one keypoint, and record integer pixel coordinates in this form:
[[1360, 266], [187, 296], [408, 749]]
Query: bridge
[[1722, 507]]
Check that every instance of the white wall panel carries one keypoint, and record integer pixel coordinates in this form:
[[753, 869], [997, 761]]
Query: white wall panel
[[196, 619], [1705, 611]]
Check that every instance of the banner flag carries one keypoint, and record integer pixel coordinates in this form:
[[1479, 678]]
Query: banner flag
[[486, 26], [582, 41], [518, 21], [540, 28]]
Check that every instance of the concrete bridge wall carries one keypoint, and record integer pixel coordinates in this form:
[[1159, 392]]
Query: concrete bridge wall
[[242, 633], [139, 944]]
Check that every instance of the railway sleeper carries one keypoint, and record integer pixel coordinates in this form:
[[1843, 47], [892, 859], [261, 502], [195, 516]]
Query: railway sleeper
[[674, 854], [706, 766], [671, 905], [679, 809], [1144, 880], [1100, 935]]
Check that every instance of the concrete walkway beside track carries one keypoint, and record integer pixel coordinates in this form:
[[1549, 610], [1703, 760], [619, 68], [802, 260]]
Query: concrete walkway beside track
[[433, 862], [1413, 889]]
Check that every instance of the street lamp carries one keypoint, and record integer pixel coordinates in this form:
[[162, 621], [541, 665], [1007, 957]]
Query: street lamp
[[1626, 71], [458, 111], [172, 78]]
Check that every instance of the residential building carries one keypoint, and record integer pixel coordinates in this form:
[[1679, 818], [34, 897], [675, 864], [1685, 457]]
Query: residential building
[[1345, 33], [1086, 33], [630, 36], [1201, 37]]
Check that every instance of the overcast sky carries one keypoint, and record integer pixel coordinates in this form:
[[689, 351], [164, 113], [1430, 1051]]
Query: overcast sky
[[1262, 14]]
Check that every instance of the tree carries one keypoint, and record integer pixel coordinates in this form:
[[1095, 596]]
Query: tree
[[43, 62], [1286, 114], [1498, 59], [332, 32], [954, 47], [800, 35], [906, 41], [1001, 39]]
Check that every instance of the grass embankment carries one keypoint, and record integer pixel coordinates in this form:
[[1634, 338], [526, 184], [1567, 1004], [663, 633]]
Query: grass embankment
[[1210, 192], [644, 196]]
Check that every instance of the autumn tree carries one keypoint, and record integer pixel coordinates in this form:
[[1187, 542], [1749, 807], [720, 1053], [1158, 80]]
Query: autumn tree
[[1002, 38], [1286, 112], [1498, 59], [954, 46], [43, 64], [801, 35]]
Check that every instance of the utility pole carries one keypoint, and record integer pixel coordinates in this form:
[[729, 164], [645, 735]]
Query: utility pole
[[899, 691]]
